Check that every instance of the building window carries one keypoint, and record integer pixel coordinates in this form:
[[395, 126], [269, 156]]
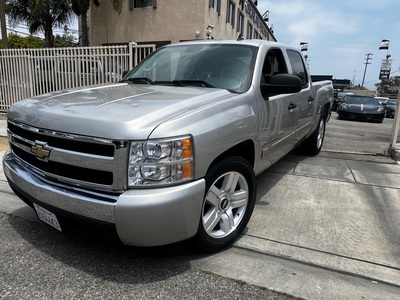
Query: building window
[[256, 34], [249, 31], [216, 4], [240, 23], [230, 16], [143, 3]]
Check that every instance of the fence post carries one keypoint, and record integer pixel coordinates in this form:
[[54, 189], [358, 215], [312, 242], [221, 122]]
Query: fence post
[[131, 53], [30, 78], [395, 130]]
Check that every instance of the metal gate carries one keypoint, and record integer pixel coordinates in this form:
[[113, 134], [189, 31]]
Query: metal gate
[[29, 72]]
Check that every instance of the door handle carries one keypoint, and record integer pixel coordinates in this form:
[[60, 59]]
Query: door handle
[[310, 98], [292, 106]]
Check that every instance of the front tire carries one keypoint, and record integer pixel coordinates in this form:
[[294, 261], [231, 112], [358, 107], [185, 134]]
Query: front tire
[[228, 204]]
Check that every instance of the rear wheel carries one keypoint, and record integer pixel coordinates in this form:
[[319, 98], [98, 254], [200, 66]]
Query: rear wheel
[[313, 144], [228, 204]]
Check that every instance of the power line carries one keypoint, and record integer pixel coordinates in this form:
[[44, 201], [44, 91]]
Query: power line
[[23, 30]]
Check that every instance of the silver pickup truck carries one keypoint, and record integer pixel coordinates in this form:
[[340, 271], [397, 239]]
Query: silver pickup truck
[[171, 152]]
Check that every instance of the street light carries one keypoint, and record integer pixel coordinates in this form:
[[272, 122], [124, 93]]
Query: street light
[[304, 48]]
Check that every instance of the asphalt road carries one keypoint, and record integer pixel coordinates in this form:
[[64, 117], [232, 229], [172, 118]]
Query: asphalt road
[[39, 263], [357, 137]]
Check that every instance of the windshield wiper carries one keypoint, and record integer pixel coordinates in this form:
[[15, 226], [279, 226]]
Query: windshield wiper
[[143, 80], [196, 82]]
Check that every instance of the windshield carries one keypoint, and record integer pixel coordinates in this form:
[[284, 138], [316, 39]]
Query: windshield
[[392, 102], [340, 95], [210, 65], [361, 100]]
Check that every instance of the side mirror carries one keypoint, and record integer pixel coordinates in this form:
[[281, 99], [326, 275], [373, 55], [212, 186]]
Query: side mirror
[[282, 84]]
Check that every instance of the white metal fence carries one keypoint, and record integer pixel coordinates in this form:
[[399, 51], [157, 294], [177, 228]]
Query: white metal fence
[[29, 72]]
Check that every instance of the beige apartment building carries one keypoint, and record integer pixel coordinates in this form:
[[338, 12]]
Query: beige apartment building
[[163, 22]]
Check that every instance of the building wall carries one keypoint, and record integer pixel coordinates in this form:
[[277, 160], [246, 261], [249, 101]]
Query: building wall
[[170, 22]]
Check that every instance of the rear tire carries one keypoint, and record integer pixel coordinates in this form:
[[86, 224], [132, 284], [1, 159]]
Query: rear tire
[[313, 144], [228, 204]]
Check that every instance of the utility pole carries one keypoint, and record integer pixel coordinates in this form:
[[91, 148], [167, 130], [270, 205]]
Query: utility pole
[[367, 59]]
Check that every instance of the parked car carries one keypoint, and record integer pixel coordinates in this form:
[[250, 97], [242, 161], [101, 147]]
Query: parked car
[[338, 97], [381, 99], [390, 106], [172, 151], [356, 107]]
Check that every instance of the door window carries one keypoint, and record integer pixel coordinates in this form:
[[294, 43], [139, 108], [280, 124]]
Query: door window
[[274, 63], [298, 67]]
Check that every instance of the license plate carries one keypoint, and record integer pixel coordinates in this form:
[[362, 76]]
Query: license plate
[[47, 216]]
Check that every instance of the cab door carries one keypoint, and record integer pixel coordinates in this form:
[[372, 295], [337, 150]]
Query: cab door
[[278, 114], [305, 101]]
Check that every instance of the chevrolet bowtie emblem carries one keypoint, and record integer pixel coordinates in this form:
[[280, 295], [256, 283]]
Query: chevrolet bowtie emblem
[[39, 150]]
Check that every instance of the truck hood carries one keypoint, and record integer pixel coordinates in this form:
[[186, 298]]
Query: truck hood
[[117, 111]]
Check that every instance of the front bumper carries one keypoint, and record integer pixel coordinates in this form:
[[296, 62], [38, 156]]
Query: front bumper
[[142, 217], [344, 114]]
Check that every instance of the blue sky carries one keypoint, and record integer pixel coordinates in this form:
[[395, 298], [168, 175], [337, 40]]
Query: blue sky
[[339, 34]]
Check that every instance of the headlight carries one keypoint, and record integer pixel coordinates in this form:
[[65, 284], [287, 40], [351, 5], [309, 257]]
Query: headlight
[[156, 162], [381, 108]]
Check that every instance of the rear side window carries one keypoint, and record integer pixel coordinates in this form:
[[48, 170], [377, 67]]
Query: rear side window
[[298, 66]]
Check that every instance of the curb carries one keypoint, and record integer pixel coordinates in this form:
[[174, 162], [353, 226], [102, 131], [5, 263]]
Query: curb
[[395, 154]]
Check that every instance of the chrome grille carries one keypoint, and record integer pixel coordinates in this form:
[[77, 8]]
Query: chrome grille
[[91, 162]]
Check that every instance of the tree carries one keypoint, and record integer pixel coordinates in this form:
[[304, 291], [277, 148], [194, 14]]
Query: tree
[[65, 40], [80, 8], [388, 87], [4, 42], [18, 42], [40, 15]]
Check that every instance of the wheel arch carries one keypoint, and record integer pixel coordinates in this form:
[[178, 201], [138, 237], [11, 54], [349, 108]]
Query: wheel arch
[[245, 149], [326, 111]]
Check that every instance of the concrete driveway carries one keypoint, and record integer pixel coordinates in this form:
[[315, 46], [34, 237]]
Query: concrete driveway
[[326, 227], [323, 228]]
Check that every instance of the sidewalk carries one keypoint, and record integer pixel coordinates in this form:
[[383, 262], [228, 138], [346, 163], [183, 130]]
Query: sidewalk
[[323, 228]]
